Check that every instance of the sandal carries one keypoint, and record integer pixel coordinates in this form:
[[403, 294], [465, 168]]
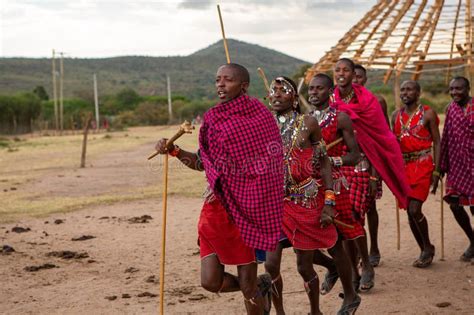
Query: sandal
[[367, 281], [374, 259], [426, 258], [468, 254], [351, 308], [265, 287], [330, 280]]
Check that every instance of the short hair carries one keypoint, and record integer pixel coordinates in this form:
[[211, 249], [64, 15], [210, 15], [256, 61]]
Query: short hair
[[349, 61], [461, 78], [242, 72], [360, 67], [325, 77], [417, 85]]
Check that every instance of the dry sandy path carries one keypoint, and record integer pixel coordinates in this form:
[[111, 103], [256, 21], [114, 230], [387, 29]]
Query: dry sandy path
[[82, 285]]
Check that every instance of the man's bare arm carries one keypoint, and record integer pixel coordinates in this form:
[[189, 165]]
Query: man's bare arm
[[189, 159], [431, 120], [383, 104], [344, 124]]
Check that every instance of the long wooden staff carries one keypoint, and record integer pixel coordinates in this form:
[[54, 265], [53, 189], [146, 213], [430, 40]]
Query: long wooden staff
[[442, 219], [186, 127], [397, 210], [223, 35]]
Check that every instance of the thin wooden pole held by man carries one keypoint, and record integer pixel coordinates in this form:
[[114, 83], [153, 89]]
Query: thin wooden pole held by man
[[397, 210], [186, 127], [442, 218], [163, 234], [226, 48]]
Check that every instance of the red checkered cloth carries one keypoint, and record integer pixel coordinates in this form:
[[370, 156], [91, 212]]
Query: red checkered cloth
[[241, 150], [345, 213], [358, 191], [457, 153]]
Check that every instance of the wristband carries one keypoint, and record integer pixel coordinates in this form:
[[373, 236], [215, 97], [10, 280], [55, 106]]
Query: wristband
[[336, 160], [175, 151], [329, 202], [373, 178], [436, 173]]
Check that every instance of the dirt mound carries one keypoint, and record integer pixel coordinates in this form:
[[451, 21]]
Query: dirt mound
[[19, 229], [6, 249], [67, 254], [40, 267], [82, 238], [143, 219]]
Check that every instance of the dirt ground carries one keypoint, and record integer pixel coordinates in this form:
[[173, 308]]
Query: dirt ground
[[112, 265]]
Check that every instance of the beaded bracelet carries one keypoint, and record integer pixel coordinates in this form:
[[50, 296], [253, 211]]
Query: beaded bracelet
[[436, 173], [175, 151], [373, 178], [336, 160]]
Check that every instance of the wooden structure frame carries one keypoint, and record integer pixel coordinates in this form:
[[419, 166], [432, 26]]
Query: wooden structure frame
[[411, 36]]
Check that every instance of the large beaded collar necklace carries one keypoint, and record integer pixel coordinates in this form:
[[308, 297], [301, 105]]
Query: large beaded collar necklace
[[348, 97]]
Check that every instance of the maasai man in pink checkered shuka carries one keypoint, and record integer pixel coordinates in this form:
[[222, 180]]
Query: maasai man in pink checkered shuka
[[457, 157], [240, 149]]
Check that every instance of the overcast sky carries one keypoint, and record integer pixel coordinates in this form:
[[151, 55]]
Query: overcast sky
[[103, 28]]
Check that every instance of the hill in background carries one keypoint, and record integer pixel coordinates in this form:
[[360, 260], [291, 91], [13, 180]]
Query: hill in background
[[191, 76]]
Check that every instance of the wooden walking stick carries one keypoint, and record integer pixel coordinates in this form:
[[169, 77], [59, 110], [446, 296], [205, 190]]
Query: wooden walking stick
[[442, 219], [261, 73], [226, 48], [186, 127], [397, 209]]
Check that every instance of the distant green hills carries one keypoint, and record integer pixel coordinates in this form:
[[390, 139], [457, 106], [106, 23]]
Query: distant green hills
[[191, 76]]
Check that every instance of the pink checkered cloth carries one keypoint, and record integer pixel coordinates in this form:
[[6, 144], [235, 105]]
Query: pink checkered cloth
[[457, 151], [242, 153]]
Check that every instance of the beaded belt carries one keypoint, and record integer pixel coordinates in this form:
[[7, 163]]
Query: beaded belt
[[415, 155], [302, 192]]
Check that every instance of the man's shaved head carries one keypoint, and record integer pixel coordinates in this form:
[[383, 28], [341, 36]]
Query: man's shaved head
[[241, 72], [415, 83], [327, 79]]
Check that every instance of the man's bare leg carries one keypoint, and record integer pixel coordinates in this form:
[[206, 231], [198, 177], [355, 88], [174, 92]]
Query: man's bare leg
[[272, 266], [214, 278], [304, 261], [248, 281], [373, 223], [414, 210], [462, 218], [368, 273], [344, 270]]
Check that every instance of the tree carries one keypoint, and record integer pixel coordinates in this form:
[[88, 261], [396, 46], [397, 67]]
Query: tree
[[41, 93]]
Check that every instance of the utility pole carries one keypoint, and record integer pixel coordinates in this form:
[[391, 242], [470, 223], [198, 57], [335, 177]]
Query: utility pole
[[96, 101], [170, 108], [55, 93], [61, 99]]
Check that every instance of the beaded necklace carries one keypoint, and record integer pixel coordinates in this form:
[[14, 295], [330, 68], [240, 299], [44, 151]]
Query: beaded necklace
[[324, 117], [348, 98], [405, 128]]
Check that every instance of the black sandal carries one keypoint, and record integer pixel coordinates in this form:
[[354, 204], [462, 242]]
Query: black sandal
[[367, 281], [426, 258], [351, 308], [330, 280], [374, 259]]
